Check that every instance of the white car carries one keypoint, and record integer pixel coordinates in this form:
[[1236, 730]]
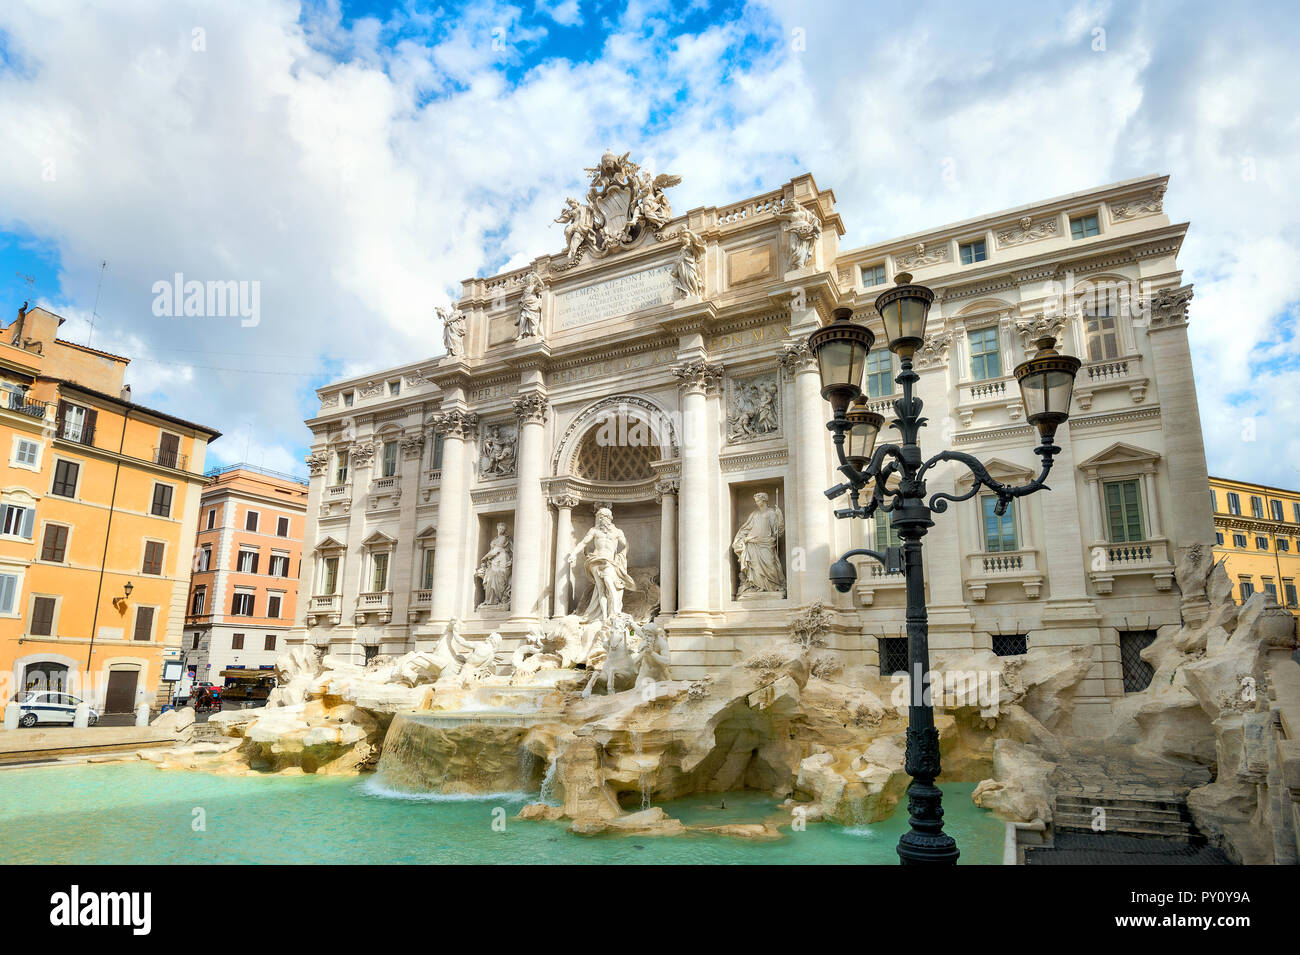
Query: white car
[[50, 706]]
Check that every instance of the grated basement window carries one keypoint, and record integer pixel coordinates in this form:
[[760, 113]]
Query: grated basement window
[[1010, 644], [370, 652], [893, 655], [1137, 672]]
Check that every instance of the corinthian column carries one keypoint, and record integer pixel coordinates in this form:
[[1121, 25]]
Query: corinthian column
[[530, 508], [810, 474], [666, 491], [560, 587], [455, 427], [698, 378]]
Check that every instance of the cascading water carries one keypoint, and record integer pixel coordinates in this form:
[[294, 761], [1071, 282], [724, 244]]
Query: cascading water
[[550, 782]]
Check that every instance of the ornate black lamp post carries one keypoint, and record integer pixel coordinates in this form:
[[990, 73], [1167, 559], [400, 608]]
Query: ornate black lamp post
[[1046, 382]]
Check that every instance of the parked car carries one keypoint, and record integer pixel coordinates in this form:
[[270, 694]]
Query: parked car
[[50, 706]]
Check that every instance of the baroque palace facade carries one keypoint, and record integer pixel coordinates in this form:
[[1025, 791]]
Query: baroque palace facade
[[657, 368]]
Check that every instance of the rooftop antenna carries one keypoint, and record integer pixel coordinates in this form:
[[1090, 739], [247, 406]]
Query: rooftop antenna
[[95, 311]]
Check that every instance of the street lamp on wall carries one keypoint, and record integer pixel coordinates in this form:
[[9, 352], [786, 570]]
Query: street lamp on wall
[[892, 477]]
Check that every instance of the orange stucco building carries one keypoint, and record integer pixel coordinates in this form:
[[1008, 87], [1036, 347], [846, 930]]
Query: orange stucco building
[[98, 510], [244, 589]]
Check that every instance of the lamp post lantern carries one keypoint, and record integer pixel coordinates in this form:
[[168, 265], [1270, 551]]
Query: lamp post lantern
[[1046, 383]]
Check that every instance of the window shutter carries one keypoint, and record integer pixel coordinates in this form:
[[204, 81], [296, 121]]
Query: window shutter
[[88, 435], [42, 616], [255, 559], [143, 623], [7, 585], [29, 517], [61, 416]]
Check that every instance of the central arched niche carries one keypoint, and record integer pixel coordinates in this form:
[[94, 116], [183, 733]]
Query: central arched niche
[[608, 456]]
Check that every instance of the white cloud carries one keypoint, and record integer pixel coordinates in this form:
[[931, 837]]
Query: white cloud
[[360, 177]]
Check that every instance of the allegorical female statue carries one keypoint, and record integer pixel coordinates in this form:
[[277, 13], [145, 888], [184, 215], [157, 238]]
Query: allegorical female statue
[[494, 570], [756, 545], [530, 307], [606, 561], [453, 330]]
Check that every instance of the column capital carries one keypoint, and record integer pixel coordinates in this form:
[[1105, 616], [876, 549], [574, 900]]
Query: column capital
[[797, 357], [456, 424], [564, 502], [699, 376], [317, 462], [413, 445], [1168, 307], [666, 486], [361, 452], [532, 407]]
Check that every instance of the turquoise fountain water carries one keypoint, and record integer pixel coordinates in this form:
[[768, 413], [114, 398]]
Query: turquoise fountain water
[[128, 812]]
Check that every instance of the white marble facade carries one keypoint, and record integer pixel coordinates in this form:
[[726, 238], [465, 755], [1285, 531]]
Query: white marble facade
[[676, 410]]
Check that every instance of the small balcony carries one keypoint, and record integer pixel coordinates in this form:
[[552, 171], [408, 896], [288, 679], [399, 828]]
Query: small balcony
[[1129, 559], [327, 606], [1004, 567], [171, 458], [421, 602], [13, 400], [992, 395], [1112, 374], [377, 602], [873, 577]]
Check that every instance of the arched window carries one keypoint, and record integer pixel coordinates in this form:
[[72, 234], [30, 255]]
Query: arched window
[[619, 451]]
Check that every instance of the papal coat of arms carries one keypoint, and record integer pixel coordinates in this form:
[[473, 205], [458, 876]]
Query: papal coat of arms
[[623, 201]]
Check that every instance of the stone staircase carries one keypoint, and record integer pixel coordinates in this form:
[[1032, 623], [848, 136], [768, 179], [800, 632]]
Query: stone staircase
[[1143, 815]]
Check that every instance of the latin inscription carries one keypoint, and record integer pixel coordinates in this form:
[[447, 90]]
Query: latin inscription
[[614, 298]]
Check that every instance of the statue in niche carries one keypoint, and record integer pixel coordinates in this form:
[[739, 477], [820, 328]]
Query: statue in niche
[[494, 571], [606, 562], [530, 308], [498, 453], [804, 229], [753, 411], [756, 545], [686, 270], [453, 330]]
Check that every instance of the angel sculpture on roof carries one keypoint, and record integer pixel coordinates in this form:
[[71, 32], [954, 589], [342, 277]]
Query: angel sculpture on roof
[[623, 201]]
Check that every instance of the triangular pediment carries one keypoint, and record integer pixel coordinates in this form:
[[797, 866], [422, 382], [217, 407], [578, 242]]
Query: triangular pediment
[[429, 533], [1004, 472], [329, 543], [378, 538], [1120, 454]]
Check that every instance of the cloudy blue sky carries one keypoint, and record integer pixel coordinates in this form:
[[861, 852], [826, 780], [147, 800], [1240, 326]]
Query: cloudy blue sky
[[359, 159]]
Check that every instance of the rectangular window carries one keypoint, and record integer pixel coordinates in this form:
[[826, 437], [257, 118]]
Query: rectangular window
[[54, 546], [1288, 591], [273, 607], [985, 362], [1256, 506], [1124, 511], [8, 592], [1136, 671], [279, 566], [893, 655], [1276, 507], [1261, 543], [1247, 588], [1283, 545], [1010, 644], [169, 450], [437, 452], [162, 500], [341, 468], [26, 453], [1102, 334], [200, 600], [1234, 503], [1270, 588], [972, 252], [236, 641], [371, 651], [250, 521], [205, 557], [348, 398], [212, 518], [269, 643], [1295, 512], [999, 531], [1084, 227], [243, 603], [42, 624], [331, 575], [880, 373], [1218, 538], [282, 527], [1214, 501], [873, 275], [143, 623], [886, 533], [153, 557], [247, 562], [394, 388], [75, 423], [65, 478], [380, 577], [426, 575], [390, 459], [1238, 540], [18, 520]]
